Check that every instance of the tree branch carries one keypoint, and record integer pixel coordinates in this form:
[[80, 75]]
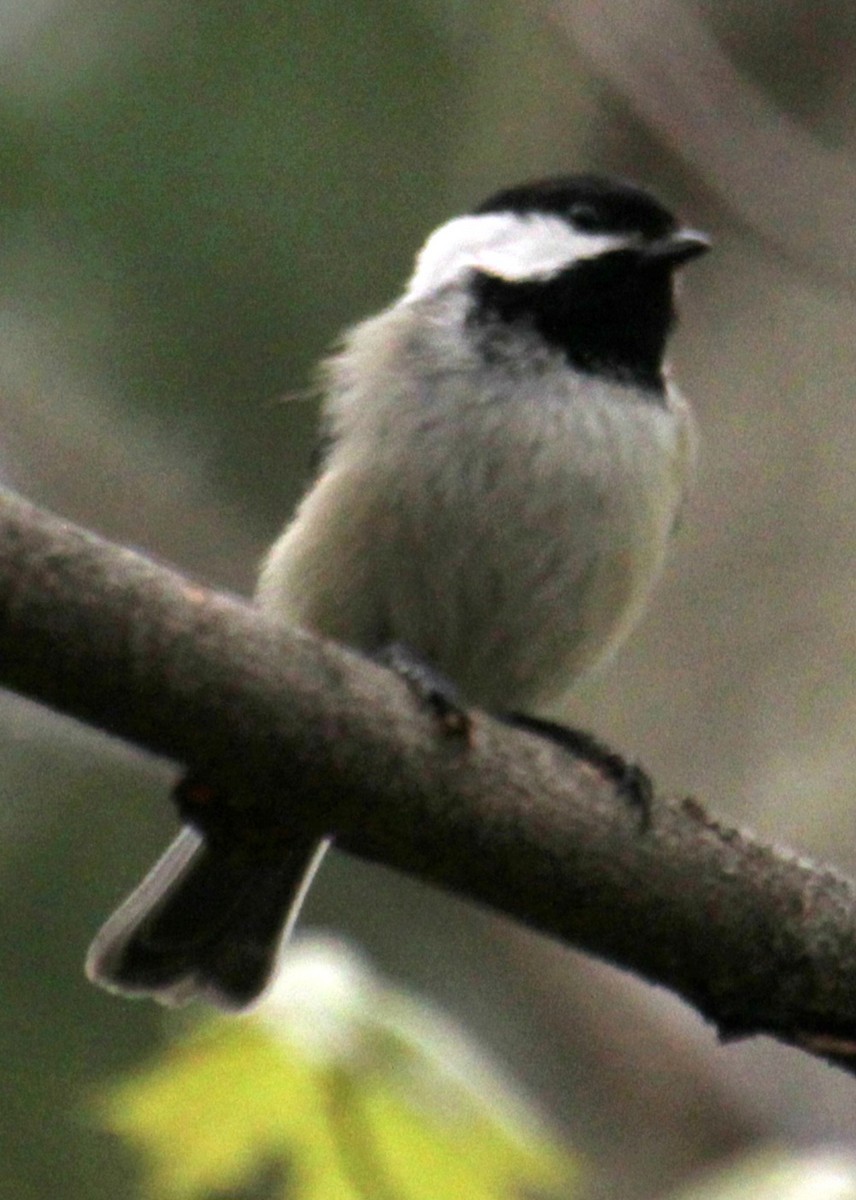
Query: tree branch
[[304, 734]]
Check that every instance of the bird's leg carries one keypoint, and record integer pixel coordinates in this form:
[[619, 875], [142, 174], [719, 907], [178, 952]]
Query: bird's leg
[[442, 698], [431, 687]]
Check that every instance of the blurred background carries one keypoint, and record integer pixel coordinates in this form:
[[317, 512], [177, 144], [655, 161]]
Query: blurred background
[[195, 197]]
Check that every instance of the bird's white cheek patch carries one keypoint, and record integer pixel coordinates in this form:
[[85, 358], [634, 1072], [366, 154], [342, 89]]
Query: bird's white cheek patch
[[509, 245]]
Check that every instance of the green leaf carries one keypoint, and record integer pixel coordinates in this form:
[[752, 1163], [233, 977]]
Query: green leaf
[[365, 1094]]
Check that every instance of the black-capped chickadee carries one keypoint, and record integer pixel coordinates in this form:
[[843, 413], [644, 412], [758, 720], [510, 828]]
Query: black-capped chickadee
[[505, 460]]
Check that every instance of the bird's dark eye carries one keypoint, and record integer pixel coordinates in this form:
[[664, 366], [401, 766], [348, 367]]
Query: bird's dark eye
[[587, 218]]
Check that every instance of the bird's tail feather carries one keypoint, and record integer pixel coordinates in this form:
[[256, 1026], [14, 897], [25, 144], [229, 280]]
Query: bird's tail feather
[[205, 922]]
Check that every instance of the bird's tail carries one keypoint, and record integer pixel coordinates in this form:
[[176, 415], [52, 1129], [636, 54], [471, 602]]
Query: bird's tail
[[205, 922]]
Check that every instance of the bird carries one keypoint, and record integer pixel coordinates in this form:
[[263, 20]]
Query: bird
[[504, 461]]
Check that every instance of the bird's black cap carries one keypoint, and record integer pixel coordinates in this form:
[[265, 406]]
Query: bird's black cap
[[593, 203]]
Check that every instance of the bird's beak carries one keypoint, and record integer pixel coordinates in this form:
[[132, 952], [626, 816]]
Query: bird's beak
[[677, 248]]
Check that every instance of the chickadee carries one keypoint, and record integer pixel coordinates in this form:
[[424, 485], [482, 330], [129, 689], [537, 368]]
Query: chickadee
[[505, 461]]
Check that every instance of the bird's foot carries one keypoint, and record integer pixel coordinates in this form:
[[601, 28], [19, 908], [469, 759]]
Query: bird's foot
[[631, 781]]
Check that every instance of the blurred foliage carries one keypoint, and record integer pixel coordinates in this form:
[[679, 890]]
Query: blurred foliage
[[804, 66], [778, 1176], [359, 1091], [200, 164]]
